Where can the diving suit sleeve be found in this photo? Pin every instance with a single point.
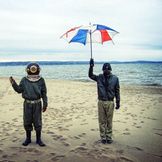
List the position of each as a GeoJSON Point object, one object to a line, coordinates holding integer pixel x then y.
{"type": "Point", "coordinates": [16, 87]}
{"type": "Point", "coordinates": [44, 94]}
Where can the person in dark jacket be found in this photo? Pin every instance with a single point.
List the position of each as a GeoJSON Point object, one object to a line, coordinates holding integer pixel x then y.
{"type": "Point", "coordinates": [33, 89]}
{"type": "Point", "coordinates": [108, 89]}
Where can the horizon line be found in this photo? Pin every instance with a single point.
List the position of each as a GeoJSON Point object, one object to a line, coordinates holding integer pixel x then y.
{"type": "Point", "coordinates": [82, 61]}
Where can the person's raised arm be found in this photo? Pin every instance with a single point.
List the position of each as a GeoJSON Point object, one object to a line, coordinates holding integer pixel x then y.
{"type": "Point", "coordinates": [16, 87]}
{"type": "Point", "coordinates": [90, 73]}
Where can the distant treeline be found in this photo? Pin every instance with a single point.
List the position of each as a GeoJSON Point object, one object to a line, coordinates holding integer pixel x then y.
{"type": "Point", "coordinates": [72, 62]}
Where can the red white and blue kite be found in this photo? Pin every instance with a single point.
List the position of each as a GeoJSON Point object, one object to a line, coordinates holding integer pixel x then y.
{"type": "Point", "coordinates": [90, 34]}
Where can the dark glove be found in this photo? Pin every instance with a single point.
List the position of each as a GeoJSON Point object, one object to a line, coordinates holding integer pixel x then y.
{"type": "Point", "coordinates": [117, 106]}
{"type": "Point", "coordinates": [11, 80]}
{"type": "Point", "coordinates": [44, 109]}
{"type": "Point", "coordinates": [91, 62]}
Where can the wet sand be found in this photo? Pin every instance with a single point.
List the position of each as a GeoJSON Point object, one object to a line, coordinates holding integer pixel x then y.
{"type": "Point", "coordinates": [70, 125]}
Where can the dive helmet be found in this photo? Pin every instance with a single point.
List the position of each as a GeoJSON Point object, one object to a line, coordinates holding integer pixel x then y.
{"type": "Point", "coordinates": [33, 69]}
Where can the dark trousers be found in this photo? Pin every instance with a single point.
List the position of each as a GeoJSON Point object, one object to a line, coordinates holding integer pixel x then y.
{"type": "Point", "coordinates": [32, 116]}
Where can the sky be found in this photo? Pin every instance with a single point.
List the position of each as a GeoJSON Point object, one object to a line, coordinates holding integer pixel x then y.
{"type": "Point", "coordinates": [30, 30]}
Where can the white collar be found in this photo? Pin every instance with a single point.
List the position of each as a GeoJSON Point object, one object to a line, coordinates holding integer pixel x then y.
{"type": "Point", "coordinates": [33, 78]}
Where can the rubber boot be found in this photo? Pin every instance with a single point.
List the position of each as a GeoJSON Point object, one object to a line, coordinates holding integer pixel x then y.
{"type": "Point", "coordinates": [28, 138]}
{"type": "Point", "coordinates": [38, 139]}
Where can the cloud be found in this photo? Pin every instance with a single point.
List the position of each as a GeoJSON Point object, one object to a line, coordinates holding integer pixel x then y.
{"type": "Point", "coordinates": [36, 26]}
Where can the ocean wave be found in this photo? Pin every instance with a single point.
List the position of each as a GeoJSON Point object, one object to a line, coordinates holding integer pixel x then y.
{"type": "Point", "coordinates": [145, 74]}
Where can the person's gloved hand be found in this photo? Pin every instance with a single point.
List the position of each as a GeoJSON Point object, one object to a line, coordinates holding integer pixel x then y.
{"type": "Point", "coordinates": [91, 62]}
{"type": "Point", "coordinates": [117, 106]}
{"type": "Point", "coordinates": [11, 80]}
{"type": "Point", "coordinates": [44, 109]}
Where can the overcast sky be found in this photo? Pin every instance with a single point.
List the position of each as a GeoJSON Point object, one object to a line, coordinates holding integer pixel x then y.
{"type": "Point", "coordinates": [31, 29]}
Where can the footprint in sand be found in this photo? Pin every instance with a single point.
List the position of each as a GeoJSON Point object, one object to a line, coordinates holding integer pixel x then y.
{"type": "Point", "coordinates": [83, 144]}
{"type": "Point", "coordinates": [1, 144]}
{"type": "Point", "coordinates": [126, 129]}
{"type": "Point", "coordinates": [84, 120]}
{"type": "Point", "coordinates": [66, 144]}
{"type": "Point", "coordinates": [79, 149]}
{"type": "Point", "coordinates": [120, 151]}
{"type": "Point", "coordinates": [14, 154]}
{"type": "Point", "coordinates": [35, 151]}
{"type": "Point", "coordinates": [126, 118]}
{"type": "Point", "coordinates": [59, 138]}
{"type": "Point", "coordinates": [49, 132]}
{"type": "Point", "coordinates": [123, 158]}
{"type": "Point", "coordinates": [138, 127]}
{"type": "Point", "coordinates": [157, 129]}
{"type": "Point", "coordinates": [5, 156]}
{"type": "Point", "coordinates": [15, 139]}
{"type": "Point", "coordinates": [134, 124]}
{"type": "Point", "coordinates": [148, 107]}
{"type": "Point", "coordinates": [1, 152]}
{"type": "Point", "coordinates": [27, 150]}
{"type": "Point", "coordinates": [82, 135]}
{"type": "Point", "coordinates": [151, 118]}
{"type": "Point", "coordinates": [83, 123]}
{"type": "Point", "coordinates": [62, 129]}
{"type": "Point", "coordinates": [52, 154]}
{"type": "Point", "coordinates": [126, 133]}
{"type": "Point", "coordinates": [133, 115]}
{"type": "Point", "coordinates": [137, 148]}
{"type": "Point", "coordinates": [57, 158]}
{"type": "Point", "coordinates": [93, 130]}
{"type": "Point", "coordinates": [158, 134]}
{"type": "Point", "coordinates": [69, 125]}
{"type": "Point", "coordinates": [76, 137]}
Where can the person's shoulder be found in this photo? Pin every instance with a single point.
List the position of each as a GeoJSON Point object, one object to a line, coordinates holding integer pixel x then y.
{"type": "Point", "coordinates": [100, 75]}
{"type": "Point", "coordinates": [114, 76]}
{"type": "Point", "coordinates": [42, 79]}
{"type": "Point", "coordinates": [23, 78]}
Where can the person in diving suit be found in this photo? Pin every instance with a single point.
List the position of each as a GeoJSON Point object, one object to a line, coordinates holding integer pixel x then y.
{"type": "Point", "coordinates": [33, 89]}
{"type": "Point", "coordinates": [108, 89]}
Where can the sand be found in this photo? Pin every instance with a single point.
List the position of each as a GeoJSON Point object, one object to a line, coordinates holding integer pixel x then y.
{"type": "Point", "coordinates": [70, 125]}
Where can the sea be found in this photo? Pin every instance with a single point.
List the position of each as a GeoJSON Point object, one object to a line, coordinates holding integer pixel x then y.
{"type": "Point", "coordinates": [130, 73]}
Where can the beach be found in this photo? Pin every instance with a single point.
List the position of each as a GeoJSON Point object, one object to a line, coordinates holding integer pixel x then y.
{"type": "Point", "coordinates": [70, 125]}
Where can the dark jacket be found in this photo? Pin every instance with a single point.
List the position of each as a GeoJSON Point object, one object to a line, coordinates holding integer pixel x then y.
{"type": "Point", "coordinates": [32, 90]}
{"type": "Point", "coordinates": [108, 86]}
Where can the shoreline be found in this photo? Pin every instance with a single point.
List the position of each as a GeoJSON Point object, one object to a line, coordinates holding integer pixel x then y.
{"type": "Point", "coordinates": [70, 125]}
{"type": "Point", "coordinates": [90, 81]}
